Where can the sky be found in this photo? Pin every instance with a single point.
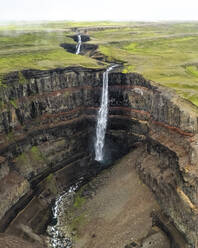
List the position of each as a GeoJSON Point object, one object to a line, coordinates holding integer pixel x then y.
{"type": "Point", "coordinates": [90, 10]}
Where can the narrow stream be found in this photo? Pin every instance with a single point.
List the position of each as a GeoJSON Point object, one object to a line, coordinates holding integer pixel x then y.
{"type": "Point", "coordinates": [56, 238]}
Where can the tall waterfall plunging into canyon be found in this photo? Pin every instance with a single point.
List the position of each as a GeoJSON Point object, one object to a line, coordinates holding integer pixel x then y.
{"type": "Point", "coordinates": [78, 46]}
{"type": "Point", "coordinates": [102, 118]}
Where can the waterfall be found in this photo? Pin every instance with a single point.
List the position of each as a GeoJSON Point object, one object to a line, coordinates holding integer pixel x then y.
{"type": "Point", "coordinates": [79, 44]}
{"type": "Point", "coordinates": [102, 118]}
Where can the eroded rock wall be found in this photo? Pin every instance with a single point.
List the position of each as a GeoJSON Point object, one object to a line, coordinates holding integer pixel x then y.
{"type": "Point", "coordinates": [47, 127]}
{"type": "Point", "coordinates": [168, 164]}
{"type": "Point", "coordinates": [42, 130]}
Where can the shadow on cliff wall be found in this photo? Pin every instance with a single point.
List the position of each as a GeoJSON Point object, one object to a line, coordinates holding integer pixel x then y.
{"type": "Point", "coordinates": [120, 138]}
{"type": "Point", "coordinates": [85, 48]}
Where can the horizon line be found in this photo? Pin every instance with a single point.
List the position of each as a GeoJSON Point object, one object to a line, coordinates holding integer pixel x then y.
{"type": "Point", "coordinates": [90, 21]}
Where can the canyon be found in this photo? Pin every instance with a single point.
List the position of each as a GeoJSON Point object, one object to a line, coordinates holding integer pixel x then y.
{"type": "Point", "coordinates": [47, 135]}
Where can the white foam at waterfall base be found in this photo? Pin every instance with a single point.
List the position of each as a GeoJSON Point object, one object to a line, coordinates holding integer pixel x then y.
{"type": "Point", "coordinates": [78, 46]}
{"type": "Point", "coordinates": [102, 118]}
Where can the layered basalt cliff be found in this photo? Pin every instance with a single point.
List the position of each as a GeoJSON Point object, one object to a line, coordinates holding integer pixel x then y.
{"type": "Point", "coordinates": [43, 129]}
{"type": "Point", "coordinates": [47, 130]}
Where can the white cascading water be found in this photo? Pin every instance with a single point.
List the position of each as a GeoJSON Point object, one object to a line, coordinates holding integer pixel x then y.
{"type": "Point", "coordinates": [102, 118]}
{"type": "Point", "coordinates": [57, 238]}
{"type": "Point", "coordinates": [78, 46]}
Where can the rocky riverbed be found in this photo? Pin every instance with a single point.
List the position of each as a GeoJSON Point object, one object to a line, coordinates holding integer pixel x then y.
{"type": "Point", "coordinates": [114, 210]}
{"type": "Point", "coordinates": [56, 238]}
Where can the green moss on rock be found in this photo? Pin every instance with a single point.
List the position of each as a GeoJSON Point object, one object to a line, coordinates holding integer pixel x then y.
{"type": "Point", "coordinates": [36, 154]}
{"type": "Point", "coordinates": [79, 200]}
{"type": "Point", "coordinates": [14, 103]}
{"type": "Point", "coordinates": [22, 79]}
{"type": "Point", "coordinates": [30, 162]}
{"type": "Point", "coordinates": [192, 70]}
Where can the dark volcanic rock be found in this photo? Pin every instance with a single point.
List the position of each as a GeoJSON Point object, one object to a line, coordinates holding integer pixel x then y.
{"type": "Point", "coordinates": [84, 37]}
{"type": "Point", "coordinates": [85, 48]}
{"type": "Point", "coordinates": [69, 47]}
{"type": "Point", "coordinates": [88, 48]}
{"type": "Point", "coordinates": [47, 131]}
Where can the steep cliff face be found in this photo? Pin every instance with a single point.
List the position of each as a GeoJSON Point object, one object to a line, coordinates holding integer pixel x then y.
{"type": "Point", "coordinates": [47, 130]}
{"type": "Point", "coordinates": [168, 159]}
{"type": "Point", "coordinates": [42, 130]}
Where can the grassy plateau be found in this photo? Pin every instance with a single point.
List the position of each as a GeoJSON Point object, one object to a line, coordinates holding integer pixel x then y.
{"type": "Point", "coordinates": [166, 53]}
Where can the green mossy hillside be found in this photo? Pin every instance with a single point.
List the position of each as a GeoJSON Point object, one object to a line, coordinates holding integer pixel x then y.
{"type": "Point", "coordinates": [38, 48]}
{"type": "Point", "coordinates": [166, 53]}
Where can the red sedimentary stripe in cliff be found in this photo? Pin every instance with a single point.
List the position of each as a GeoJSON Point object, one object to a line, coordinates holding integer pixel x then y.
{"type": "Point", "coordinates": [77, 88]}
{"type": "Point", "coordinates": [82, 115]}
{"type": "Point", "coordinates": [61, 114]}
{"type": "Point", "coordinates": [127, 110]}
{"type": "Point", "coordinates": [172, 128]}
{"type": "Point", "coordinates": [20, 136]}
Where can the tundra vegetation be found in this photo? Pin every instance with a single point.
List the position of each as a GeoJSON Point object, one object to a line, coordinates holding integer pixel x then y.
{"type": "Point", "coordinates": [166, 53]}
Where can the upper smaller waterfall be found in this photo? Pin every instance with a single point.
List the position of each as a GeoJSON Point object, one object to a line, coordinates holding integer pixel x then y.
{"type": "Point", "coordinates": [78, 46]}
